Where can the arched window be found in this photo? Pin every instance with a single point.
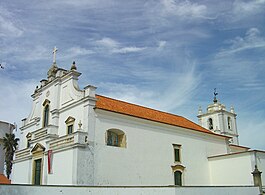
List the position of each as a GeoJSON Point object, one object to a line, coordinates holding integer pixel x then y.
{"type": "Point", "coordinates": [178, 178]}
{"type": "Point", "coordinates": [210, 123]}
{"type": "Point", "coordinates": [115, 137]}
{"type": "Point", "coordinates": [46, 112]}
{"type": "Point", "coordinates": [229, 122]}
{"type": "Point", "coordinates": [46, 115]}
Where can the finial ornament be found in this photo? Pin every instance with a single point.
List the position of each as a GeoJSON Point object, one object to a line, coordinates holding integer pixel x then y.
{"type": "Point", "coordinates": [54, 54]}
{"type": "Point", "coordinates": [79, 125]}
{"type": "Point", "coordinates": [73, 67]}
{"type": "Point", "coordinates": [215, 94]}
{"type": "Point", "coordinates": [200, 110]}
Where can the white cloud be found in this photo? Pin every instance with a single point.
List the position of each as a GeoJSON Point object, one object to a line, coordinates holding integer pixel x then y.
{"type": "Point", "coordinates": [241, 8]}
{"type": "Point", "coordinates": [184, 9]}
{"type": "Point", "coordinates": [251, 40]}
{"type": "Point", "coordinates": [129, 49]}
{"type": "Point", "coordinates": [115, 47]}
{"type": "Point", "coordinates": [128, 92]}
{"type": "Point", "coordinates": [108, 43]}
{"type": "Point", "coordinates": [76, 51]}
{"type": "Point", "coordinates": [161, 44]}
{"type": "Point", "coordinates": [8, 25]}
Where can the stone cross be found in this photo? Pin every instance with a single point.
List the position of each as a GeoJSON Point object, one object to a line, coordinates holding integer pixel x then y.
{"type": "Point", "coordinates": [54, 54]}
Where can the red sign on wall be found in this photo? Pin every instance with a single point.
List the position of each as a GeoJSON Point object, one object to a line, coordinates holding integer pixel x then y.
{"type": "Point", "coordinates": [49, 161]}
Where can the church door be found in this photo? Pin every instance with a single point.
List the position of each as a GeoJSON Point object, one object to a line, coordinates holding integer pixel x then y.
{"type": "Point", "coordinates": [37, 172]}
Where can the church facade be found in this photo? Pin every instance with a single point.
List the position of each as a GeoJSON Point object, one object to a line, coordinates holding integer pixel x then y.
{"type": "Point", "coordinates": [77, 137]}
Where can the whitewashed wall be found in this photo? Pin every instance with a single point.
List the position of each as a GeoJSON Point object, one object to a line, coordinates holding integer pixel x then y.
{"type": "Point", "coordinates": [62, 166]}
{"type": "Point", "coordinates": [149, 155]}
{"type": "Point", "coordinates": [232, 169]}
{"type": "Point", "coordinates": [70, 190]}
{"type": "Point", "coordinates": [23, 172]}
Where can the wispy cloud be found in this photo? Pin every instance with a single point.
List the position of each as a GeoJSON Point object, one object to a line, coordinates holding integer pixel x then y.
{"type": "Point", "coordinates": [15, 93]}
{"type": "Point", "coordinates": [241, 8]}
{"type": "Point", "coordinates": [239, 64]}
{"type": "Point", "coordinates": [113, 46]}
{"type": "Point", "coordinates": [251, 40]}
{"type": "Point", "coordinates": [184, 9]}
{"type": "Point", "coordinates": [161, 44]}
{"type": "Point", "coordinates": [75, 52]}
{"type": "Point", "coordinates": [171, 93]}
{"type": "Point", "coordinates": [8, 24]}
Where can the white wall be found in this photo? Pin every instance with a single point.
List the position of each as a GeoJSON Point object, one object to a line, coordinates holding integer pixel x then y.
{"type": "Point", "coordinates": [70, 190]}
{"type": "Point", "coordinates": [62, 166]}
{"type": "Point", "coordinates": [231, 170]}
{"type": "Point", "coordinates": [148, 158]}
{"type": "Point", "coordinates": [23, 172]}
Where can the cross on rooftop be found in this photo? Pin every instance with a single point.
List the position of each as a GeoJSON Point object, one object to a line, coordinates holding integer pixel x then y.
{"type": "Point", "coordinates": [54, 54]}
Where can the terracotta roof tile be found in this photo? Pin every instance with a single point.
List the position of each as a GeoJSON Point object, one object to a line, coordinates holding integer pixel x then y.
{"type": "Point", "coordinates": [126, 108]}
{"type": "Point", "coordinates": [4, 180]}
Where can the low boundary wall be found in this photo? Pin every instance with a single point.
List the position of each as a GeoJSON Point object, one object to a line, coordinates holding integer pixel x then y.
{"type": "Point", "coordinates": [17, 189]}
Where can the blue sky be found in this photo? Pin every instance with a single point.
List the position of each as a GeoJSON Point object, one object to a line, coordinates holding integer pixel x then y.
{"type": "Point", "coordinates": [164, 54]}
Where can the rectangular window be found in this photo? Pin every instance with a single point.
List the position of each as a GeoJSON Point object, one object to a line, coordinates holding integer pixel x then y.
{"type": "Point", "coordinates": [70, 129]}
{"type": "Point", "coordinates": [176, 152]}
{"type": "Point", "coordinates": [37, 172]}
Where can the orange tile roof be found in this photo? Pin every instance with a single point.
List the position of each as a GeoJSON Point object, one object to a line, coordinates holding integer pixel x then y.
{"type": "Point", "coordinates": [126, 108]}
{"type": "Point", "coordinates": [4, 180]}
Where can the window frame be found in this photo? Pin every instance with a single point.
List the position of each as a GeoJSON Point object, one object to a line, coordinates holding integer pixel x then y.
{"type": "Point", "coordinates": [177, 153]}
{"type": "Point", "coordinates": [210, 123]}
{"type": "Point", "coordinates": [180, 177]}
{"type": "Point", "coordinates": [70, 129]}
{"type": "Point", "coordinates": [70, 124]}
{"type": "Point", "coordinates": [229, 123]}
{"type": "Point", "coordinates": [115, 138]}
{"type": "Point", "coordinates": [46, 115]}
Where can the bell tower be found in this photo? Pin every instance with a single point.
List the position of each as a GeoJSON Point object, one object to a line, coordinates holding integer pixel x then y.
{"type": "Point", "coordinates": [219, 120]}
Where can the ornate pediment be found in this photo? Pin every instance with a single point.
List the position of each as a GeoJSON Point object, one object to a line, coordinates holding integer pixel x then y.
{"type": "Point", "coordinates": [46, 102]}
{"type": "Point", "coordinates": [70, 120]}
{"type": "Point", "coordinates": [38, 148]}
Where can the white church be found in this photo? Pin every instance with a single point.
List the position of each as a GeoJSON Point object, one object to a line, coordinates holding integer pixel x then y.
{"type": "Point", "coordinates": [75, 136]}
